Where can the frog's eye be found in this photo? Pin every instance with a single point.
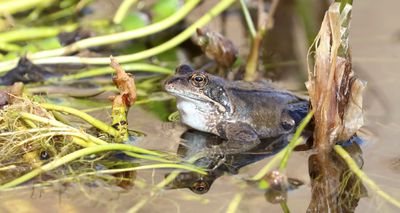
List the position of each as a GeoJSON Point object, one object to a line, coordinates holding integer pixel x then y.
{"type": "Point", "coordinates": [200, 187]}
{"type": "Point", "coordinates": [199, 80]}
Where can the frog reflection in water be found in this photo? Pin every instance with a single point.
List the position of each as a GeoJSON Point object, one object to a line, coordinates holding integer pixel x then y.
{"type": "Point", "coordinates": [193, 142]}
{"type": "Point", "coordinates": [240, 112]}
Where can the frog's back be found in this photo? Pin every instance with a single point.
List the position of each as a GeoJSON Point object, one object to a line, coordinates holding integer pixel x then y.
{"type": "Point", "coordinates": [263, 105]}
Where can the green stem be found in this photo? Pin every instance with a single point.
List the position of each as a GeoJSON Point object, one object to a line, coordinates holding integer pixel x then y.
{"type": "Point", "coordinates": [7, 47]}
{"type": "Point", "coordinates": [73, 156]}
{"type": "Point", "coordinates": [123, 9]}
{"type": "Point", "coordinates": [360, 174]}
{"type": "Point", "coordinates": [34, 33]}
{"type": "Point", "coordinates": [15, 6]}
{"type": "Point", "coordinates": [153, 166]}
{"type": "Point", "coordinates": [268, 167]}
{"type": "Point", "coordinates": [234, 204]}
{"type": "Point", "coordinates": [271, 163]}
{"type": "Point", "coordinates": [284, 207]}
{"type": "Point", "coordinates": [247, 17]}
{"type": "Point", "coordinates": [296, 139]}
{"type": "Point", "coordinates": [91, 120]}
{"type": "Point", "coordinates": [148, 157]}
{"type": "Point", "coordinates": [252, 59]}
{"type": "Point", "coordinates": [43, 120]}
{"type": "Point", "coordinates": [137, 67]}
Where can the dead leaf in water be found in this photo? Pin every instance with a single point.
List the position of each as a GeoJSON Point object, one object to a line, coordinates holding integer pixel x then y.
{"type": "Point", "coordinates": [335, 91]}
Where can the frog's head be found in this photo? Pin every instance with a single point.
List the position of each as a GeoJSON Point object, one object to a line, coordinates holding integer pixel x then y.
{"type": "Point", "coordinates": [199, 87]}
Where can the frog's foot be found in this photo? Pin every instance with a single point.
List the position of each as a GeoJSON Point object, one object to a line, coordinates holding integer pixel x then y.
{"type": "Point", "coordinates": [241, 137]}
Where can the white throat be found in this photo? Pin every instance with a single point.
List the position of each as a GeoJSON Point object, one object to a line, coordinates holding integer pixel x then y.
{"type": "Point", "coordinates": [196, 114]}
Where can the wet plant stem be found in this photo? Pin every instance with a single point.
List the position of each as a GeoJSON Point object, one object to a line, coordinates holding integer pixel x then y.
{"type": "Point", "coordinates": [136, 67]}
{"type": "Point", "coordinates": [123, 9]}
{"type": "Point", "coordinates": [269, 166]}
{"type": "Point", "coordinates": [91, 120]}
{"type": "Point", "coordinates": [247, 17]}
{"type": "Point", "coordinates": [296, 139]}
{"type": "Point", "coordinates": [34, 33]}
{"type": "Point", "coordinates": [234, 204]}
{"type": "Point", "coordinates": [252, 59]}
{"type": "Point", "coordinates": [265, 23]}
{"type": "Point", "coordinates": [363, 177]}
{"type": "Point", "coordinates": [15, 6]}
{"type": "Point", "coordinates": [152, 166]}
{"type": "Point", "coordinates": [8, 47]}
{"type": "Point", "coordinates": [73, 156]}
{"type": "Point", "coordinates": [79, 138]}
{"type": "Point", "coordinates": [284, 207]}
{"type": "Point", "coordinates": [183, 36]}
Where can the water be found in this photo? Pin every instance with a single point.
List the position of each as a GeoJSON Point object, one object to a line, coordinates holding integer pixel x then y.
{"type": "Point", "coordinates": [375, 42]}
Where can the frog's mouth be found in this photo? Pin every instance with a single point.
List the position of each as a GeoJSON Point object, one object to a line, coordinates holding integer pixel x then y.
{"type": "Point", "coordinates": [200, 98]}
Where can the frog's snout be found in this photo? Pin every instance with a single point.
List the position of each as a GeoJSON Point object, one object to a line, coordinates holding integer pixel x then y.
{"type": "Point", "coordinates": [168, 86]}
{"type": "Point", "coordinates": [171, 83]}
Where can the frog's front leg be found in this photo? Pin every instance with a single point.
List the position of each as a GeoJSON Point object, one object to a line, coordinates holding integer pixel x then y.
{"type": "Point", "coordinates": [240, 137]}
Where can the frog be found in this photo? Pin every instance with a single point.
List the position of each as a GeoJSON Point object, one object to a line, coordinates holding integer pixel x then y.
{"type": "Point", "coordinates": [240, 112]}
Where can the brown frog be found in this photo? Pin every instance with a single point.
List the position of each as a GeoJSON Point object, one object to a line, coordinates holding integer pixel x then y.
{"type": "Point", "coordinates": [241, 112]}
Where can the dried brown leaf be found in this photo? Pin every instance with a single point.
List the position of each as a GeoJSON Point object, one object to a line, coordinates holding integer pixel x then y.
{"type": "Point", "coordinates": [335, 91]}
{"type": "Point", "coordinates": [217, 47]}
{"type": "Point", "coordinates": [125, 84]}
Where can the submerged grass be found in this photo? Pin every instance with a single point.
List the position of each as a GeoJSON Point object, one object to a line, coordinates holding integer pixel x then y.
{"type": "Point", "coordinates": [364, 177]}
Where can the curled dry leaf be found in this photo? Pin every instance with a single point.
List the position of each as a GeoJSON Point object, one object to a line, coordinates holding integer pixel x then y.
{"type": "Point", "coordinates": [217, 47]}
{"type": "Point", "coordinates": [125, 84]}
{"type": "Point", "coordinates": [335, 91]}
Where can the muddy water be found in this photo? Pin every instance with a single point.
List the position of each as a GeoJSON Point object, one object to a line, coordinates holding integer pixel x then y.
{"type": "Point", "coordinates": [375, 38]}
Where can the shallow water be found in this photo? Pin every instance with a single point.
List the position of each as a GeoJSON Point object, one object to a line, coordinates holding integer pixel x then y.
{"type": "Point", "coordinates": [375, 38]}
